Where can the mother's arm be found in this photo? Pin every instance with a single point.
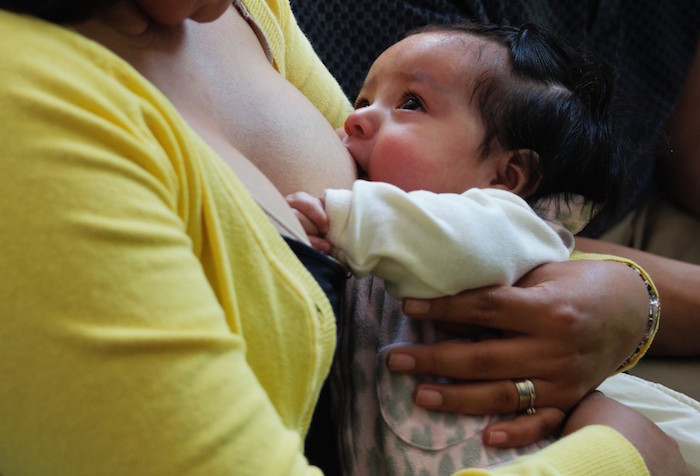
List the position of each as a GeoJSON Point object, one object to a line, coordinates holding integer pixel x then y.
{"type": "Point", "coordinates": [566, 326]}
{"type": "Point", "coordinates": [678, 284]}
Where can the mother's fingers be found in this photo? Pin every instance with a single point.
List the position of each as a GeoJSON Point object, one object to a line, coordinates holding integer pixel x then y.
{"type": "Point", "coordinates": [506, 308]}
{"type": "Point", "coordinates": [476, 398]}
{"type": "Point", "coordinates": [498, 398]}
{"type": "Point", "coordinates": [491, 359]}
{"type": "Point", "coordinates": [493, 397]}
{"type": "Point", "coordinates": [524, 429]}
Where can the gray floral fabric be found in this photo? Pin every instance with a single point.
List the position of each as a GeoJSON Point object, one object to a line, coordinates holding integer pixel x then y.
{"type": "Point", "coordinates": [382, 432]}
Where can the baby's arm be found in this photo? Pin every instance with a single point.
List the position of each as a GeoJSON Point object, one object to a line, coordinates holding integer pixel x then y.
{"type": "Point", "coordinates": [426, 244]}
{"type": "Point", "coordinates": [310, 212]}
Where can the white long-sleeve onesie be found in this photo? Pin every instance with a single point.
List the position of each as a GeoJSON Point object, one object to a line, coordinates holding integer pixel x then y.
{"type": "Point", "coordinates": [426, 244]}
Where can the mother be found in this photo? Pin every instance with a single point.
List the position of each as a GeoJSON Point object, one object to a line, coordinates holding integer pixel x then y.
{"type": "Point", "coordinates": [153, 320]}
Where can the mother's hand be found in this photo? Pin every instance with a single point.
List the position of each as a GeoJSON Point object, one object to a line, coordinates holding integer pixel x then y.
{"type": "Point", "coordinates": [565, 326]}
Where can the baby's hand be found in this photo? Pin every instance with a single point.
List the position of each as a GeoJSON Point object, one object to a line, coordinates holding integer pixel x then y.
{"type": "Point", "coordinates": [313, 218]}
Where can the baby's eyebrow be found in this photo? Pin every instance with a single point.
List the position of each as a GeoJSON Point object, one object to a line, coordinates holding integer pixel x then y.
{"type": "Point", "coordinates": [424, 78]}
{"type": "Point", "coordinates": [421, 77]}
{"type": "Point", "coordinates": [368, 82]}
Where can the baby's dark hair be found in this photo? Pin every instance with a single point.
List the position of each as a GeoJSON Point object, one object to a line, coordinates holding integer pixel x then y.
{"type": "Point", "coordinates": [556, 103]}
{"type": "Point", "coordinates": [58, 11]}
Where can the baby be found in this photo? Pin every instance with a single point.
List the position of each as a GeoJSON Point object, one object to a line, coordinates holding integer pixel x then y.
{"type": "Point", "coordinates": [455, 142]}
{"type": "Point", "coordinates": [482, 150]}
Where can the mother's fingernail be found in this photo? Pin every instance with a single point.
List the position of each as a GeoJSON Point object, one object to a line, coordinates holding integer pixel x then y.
{"type": "Point", "coordinates": [429, 398]}
{"type": "Point", "coordinates": [401, 362]}
{"type": "Point", "coordinates": [415, 306]}
{"type": "Point", "coordinates": [496, 437]}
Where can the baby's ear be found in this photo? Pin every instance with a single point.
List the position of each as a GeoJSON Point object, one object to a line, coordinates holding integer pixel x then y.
{"type": "Point", "coordinates": [514, 172]}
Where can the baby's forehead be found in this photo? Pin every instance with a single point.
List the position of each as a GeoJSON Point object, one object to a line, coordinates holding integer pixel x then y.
{"type": "Point", "coordinates": [440, 59]}
{"type": "Point", "coordinates": [464, 51]}
{"type": "Point", "coordinates": [472, 48]}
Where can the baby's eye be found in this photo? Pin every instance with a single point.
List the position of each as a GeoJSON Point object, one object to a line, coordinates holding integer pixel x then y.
{"type": "Point", "coordinates": [361, 102]}
{"type": "Point", "coordinates": [411, 103]}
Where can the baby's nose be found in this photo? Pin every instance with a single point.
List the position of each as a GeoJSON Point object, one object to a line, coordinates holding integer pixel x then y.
{"type": "Point", "coordinates": [361, 123]}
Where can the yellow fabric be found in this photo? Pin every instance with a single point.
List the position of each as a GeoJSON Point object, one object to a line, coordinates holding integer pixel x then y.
{"type": "Point", "coordinates": [594, 450]}
{"type": "Point", "coordinates": [152, 321]}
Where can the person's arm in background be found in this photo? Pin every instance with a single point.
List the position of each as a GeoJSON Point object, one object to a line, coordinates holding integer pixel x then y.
{"type": "Point", "coordinates": [678, 282]}
{"type": "Point", "coordinates": [679, 166]}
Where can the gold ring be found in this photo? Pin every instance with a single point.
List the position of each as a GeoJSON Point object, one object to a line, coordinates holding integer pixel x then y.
{"type": "Point", "coordinates": [526, 395]}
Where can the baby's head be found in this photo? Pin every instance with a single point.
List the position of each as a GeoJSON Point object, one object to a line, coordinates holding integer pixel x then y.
{"type": "Point", "coordinates": [451, 107]}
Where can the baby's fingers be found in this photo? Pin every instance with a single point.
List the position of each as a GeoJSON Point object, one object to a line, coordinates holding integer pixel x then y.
{"type": "Point", "coordinates": [310, 212]}
{"type": "Point", "coordinates": [321, 244]}
{"type": "Point", "coordinates": [309, 226]}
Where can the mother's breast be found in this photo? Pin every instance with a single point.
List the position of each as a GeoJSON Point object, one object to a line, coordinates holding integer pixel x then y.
{"type": "Point", "coordinates": [220, 78]}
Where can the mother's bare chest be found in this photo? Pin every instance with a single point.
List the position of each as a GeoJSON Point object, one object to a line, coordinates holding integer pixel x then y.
{"type": "Point", "coordinates": [220, 79]}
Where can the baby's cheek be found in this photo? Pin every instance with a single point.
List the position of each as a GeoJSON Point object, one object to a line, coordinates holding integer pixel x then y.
{"type": "Point", "coordinates": [399, 161]}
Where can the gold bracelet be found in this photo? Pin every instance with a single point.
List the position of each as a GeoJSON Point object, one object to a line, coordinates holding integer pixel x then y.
{"type": "Point", "coordinates": [652, 320]}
